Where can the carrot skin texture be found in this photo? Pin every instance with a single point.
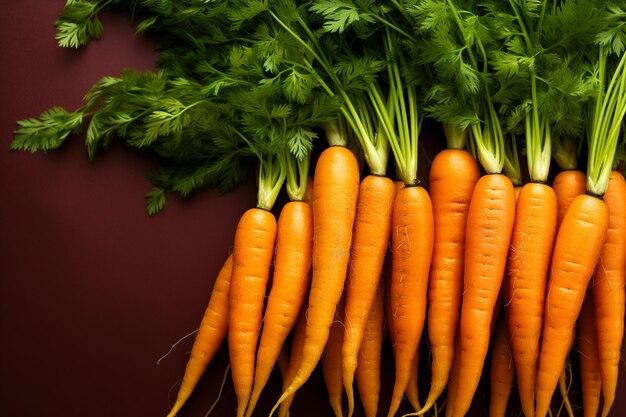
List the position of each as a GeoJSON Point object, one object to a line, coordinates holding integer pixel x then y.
{"type": "Point", "coordinates": [502, 372]}
{"type": "Point", "coordinates": [608, 290]}
{"type": "Point", "coordinates": [368, 366]}
{"type": "Point", "coordinates": [488, 235]}
{"type": "Point", "coordinates": [372, 230]}
{"type": "Point", "coordinates": [295, 358]}
{"type": "Point", "coordinates": [211, 334]}
{"type": "Point", "coordinates": [576, 252]}
{"type": "Point", "coordinates": [455, 371]}
{"type": "Point", "coordinates": [453, 176]}
{"type": "Point", "coordinates": [332, 362]}
{"type": "Point", "coordinates": [412, 246]}
{"type": "Point", "coordinates": [252, 256]}
{"type": "Point", "coordinates": [294, 244]}
{"type": "Point", "coordinates": [589, 360]}
{"type": "Point", "coordinates": [335, 191]}
{"type": "Point", "coordinates": [529, 261]}
{"type": "Point", "coordinates": [567, 185]}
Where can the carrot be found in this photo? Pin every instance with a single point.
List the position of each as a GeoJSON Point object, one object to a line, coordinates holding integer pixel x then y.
{"type": "Point", "coordinates": [335, 190]}
{"type": "Point", "coordinates": [211, 333]}
{"type": "Point", "coordinates": [289, 284]}
{"type": "Point", "coordinates": [412, 245]}
{"type": "Point", "coordinates": [489, 228]}
{"type": "Point", "coordinates": [295, 358]}
{"type": "Point", "coordinates": [529, 259]}
{"type": "Point", "coordinates": [368, 366]}
{"type": "Point", "coordinates": [332, 359]}
{"type": "Point", "coordinates": [283, 361]}
{"type": "Point", "coordinates": [455, 370]}
{"type": "Point", "coordinates": [372, 229]}
{"type": "Point", "coordinates": [564, 389]}
{"type": "Point", "coordinates": [608, 289]}
{"type": "Point", "coordinates": [453, 175]}
{"type": "Point", "coordinates": [412, 391]}
{"type": "Point", "coordinates": [584, 226]}
{"type": "Point", "coordinates": [589, 360]}
{"type": "Point", "coordinates": [502, 372]}
{"type": "Point", "coordinates": [567, 185]}
{"type": "Point", "coordinates": [252, 256]}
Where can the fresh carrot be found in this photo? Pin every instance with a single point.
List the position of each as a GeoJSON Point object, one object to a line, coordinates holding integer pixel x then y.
{"type": "Point", "coordinates": [412, 390]}
{"type": "Point", "coordinates": [529, 260]}
{"type": "Point", "coordinates": [608, 290]}
{"type": "Point", "coordinates": [290, 281]}
{"type": "Point", "coordinates": [295, 358]}
{"type": "Point", "coordinates": [332, 359]}
{"type": "Point", "coordinates": [372, 229]}
{"type": "Point", "coordinates": [453, 176]}
{"type": "Point", "coordinates": [335, 190]}
{"type": "Point", "coordinates": [252, 256]}
{"type": "Point", "coordinates": [502, 371]}
{"type": "Point", "coordinates": [589, 360]}
{"type": "Point", "coordinates": [412, 245]}
{"type": "Point", "coordinates": [489, 228]}
{"type": "Point", "coordinates": [211, 334]}
{"type": "Point", "coordinates": [368, 367]}
{"type": "Point", "coordinates": [455, 371]}
{"type": "Point", "coordinates": [584, 226]}
{"type": "Point", "coordinates": [567, 185]}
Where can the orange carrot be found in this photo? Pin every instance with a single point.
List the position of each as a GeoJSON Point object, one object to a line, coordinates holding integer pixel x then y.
{"type": "Point", "coordinates": [453, 175]}
{"type": "Point", "coordinates": [608, 289]}
{"type": "Point", "coordinates": [211, 333]}
{"type": "Point", "coordinates": [335, 190]}
{"type": "Point", "coordinates": [489, 227]}
{"type": "Point", "coordinates": [295, 358]}
{"type": "Point", "coordinates": [502, 371]}
{"type": "Point", "coordinates": [332, 361]}
{"type": "Point", "coordinates": [412, 391]}
{"type": "Point", "coordinates": [290, 281]}
{"type": "Point", "coordinates": [584, 226]}
{"type": "Point", "coordinates": [252, 256]}
{"type": "Point", "coordinates": [529, 259]}
{"type": "Point", "coordinates": [368, 366]}
{"type": "Point", "coordinates": [372, 229]}
{"type": "Point", "coordinates": [589, 360]}
{"type": "Point", "coordinates": [455, 371]}
{"type": "Point", "coordinates": [412, 246]}
{"type": "Point", "coordinates": [567, 185]}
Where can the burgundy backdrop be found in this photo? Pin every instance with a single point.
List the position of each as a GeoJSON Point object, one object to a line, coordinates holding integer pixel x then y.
{"type": "Point", "coordinates": [92, 291]}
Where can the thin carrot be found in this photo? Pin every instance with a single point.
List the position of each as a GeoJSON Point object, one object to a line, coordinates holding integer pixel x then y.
{"type": "Point", "coordinates": [335, 190]}
{"type": "Point", "coordinates": [567, 185]}
{"type": "Point", "coordinates": [565, 384]}
{"type": "Point", "coordinates": [455, 371]}
{"type": "Point", "coordinates": [290, 281]}
{"type": "Point", "coordinates": [295, 358]}
{"type": "Point", "coordinates": [589, 360]}
{"type": "Point", "coordinates": [332, 359]}
{"type": "Point", "coordinates": [412, 245]}
{"type": "Point", "coordinates": [608, 290]}
{"type": "Point", "coordinates": [584, 226]}
{"type": "Point", "coordinates": [502, 371]}
{"type": "Point", "coordinates": [412, 390]}
{"type": "Point", "coordinates": [368, 367]}
{"type": "Point", "coordinates": [372, 229]}
{"type": "Point", "coordinates": [489, 228]}
{"type": "Point", "coordinates": [211, 334]}
{"type": "Point", "coordinates": [529, 260]}
{"type": "Point", "coordinates": [453, 176]}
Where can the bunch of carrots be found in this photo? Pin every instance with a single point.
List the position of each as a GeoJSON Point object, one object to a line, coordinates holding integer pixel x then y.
{"type": "Point", "coordinates": [482, 257]}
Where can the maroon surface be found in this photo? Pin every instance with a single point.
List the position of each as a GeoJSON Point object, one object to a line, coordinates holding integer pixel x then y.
{"type": "Point", "coordinates": [92, 291]}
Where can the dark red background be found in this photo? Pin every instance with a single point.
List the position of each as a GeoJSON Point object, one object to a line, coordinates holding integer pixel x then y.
{"type": "Point", "coordinates": [93, 291]}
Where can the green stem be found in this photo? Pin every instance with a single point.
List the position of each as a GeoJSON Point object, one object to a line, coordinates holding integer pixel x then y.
{"type": "Point", "coordinates": [272, 175]}
{"type": "Point", "coordinates": [296, 176]}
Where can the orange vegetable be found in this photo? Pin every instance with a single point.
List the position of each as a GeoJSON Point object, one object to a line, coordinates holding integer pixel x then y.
{"type": "Point", "coordinates": [589, 360]}
{"type": "Point", "coordinates": [502, 371]}
{"type": "Point", "coordinates": [332, 362]}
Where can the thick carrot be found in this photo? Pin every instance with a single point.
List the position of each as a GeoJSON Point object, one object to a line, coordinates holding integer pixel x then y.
{"type": "Point", "coordinates": [576, 252]}
{"type": "Point", "coordinates": [368, 367]}
{"type": "Point", "coordinates": [412, 246]}
{"type": "Point", "coordinates": [372, 229]}
{"type": "Point", "coordinates": [295, 358]}
{"type": "Point", "coordinates": [502, 371]}
{"type": "Point", "coordinates": [211, 334]}
{"type": "Point", "coordinates": [453, 176]}
{"type": "Point", "coordinates": [488, 234]}
{"type": "Point", "coordinates": [608, 289]}
{"type": "Point", "coordinates": [529, 260]}
{"type": "Point", "coordinates": [252, 256]}
{"type": "Point", "coordinates": [589, 360]}
{"type": "Point", "coordinates": [335, 191]}
{"type": "Point", "coordinates": [567, 185]}
{"type": "Point", "coordinates": [290, 281]}
{"type": "Point", "coordinates": [332, 359]}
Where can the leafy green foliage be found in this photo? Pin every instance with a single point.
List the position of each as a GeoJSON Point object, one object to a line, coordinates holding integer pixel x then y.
{"type": "Point", "coordinates": [48, 132]}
